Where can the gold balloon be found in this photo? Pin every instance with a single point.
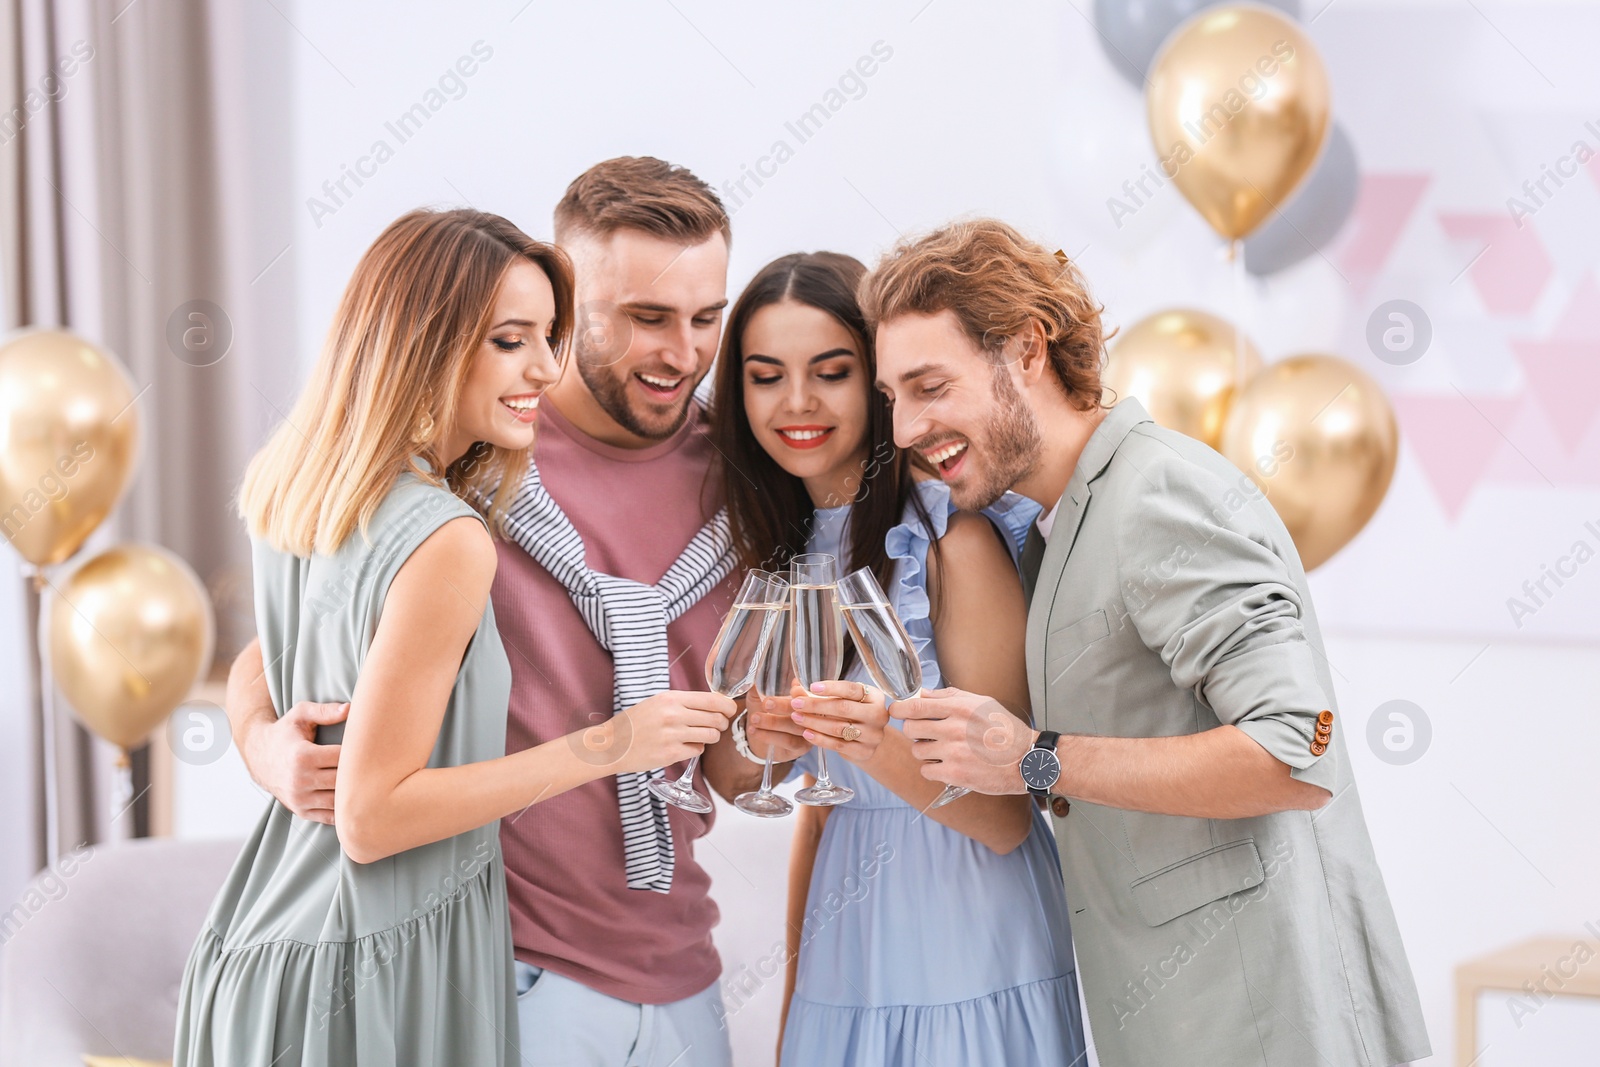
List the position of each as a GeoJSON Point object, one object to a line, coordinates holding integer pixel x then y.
{"type": "Point", "coordinates": [1184, 367]}
{"type": "Point", "coordinates": [130, 633]}
{"type": "Point", "coordinates": [69, 434]}
{"type": "Point", "coordinates": [1319, 437]}
{"type": "Point", "coordinates": [1238, 105]}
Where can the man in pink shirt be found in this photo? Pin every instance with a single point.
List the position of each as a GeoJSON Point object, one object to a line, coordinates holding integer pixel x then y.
{"type": "Point", "coordinates": [623, 450]}
{"type": "Point", "coordinates": [609, 972]}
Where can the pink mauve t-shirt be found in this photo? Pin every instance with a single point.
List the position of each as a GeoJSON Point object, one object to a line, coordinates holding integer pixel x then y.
{"type": "Point", "coordinates": [571, 909]}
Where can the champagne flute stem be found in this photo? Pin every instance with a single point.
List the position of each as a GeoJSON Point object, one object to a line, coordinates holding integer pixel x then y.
{"type": "Point", "coordinates": [686, 780]}
{"type": "Point", "coordinates": [766, 772]}
{"type": "Point", "coordinates": [823, 781]}
{"type": "Point", "coordinates": [951, 792]}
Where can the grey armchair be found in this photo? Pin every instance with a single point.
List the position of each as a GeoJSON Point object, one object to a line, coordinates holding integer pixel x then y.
{"type": "Point", "coordinates": [94, 950]}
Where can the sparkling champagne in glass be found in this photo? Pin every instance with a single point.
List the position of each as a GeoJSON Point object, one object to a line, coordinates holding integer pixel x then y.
{"type": "Point", "coordinates": [731, 667]}
{"type": "Point", "coordinates": [882, 641]}
{"type": "Point", "coordinates": [884, 645]}
{"type": "Point", "coordinates": [818, 652]}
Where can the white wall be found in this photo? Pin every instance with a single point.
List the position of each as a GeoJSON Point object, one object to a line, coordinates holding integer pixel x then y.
{"type": "Point", "coordinates": [1486, 840]}
{"type": "Point", "coordinates": [1011, 110]}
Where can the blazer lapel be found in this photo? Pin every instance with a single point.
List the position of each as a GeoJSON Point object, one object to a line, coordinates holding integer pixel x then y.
{"type": "Point", "coordinates": [1058, 547]}
{"type": "Point", "coordinates": [1028, 564]}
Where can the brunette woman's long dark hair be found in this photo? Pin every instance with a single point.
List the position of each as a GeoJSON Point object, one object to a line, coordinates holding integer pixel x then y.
{"type": "Point", "coordinates": [769, 511]}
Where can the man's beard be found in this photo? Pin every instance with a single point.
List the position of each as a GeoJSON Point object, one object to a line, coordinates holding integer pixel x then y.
{"type": "Point", "coordinates": [1011, 444]}
{"type": "Point", "coordinates": [610, 391]}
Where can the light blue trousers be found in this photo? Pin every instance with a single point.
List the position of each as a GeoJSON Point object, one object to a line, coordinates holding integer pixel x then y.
{"type": "Point", "coordinates": [566, 1024]}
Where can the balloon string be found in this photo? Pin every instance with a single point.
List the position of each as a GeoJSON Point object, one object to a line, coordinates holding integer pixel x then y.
{"type": "Point", "coordinates": [47, 719]}
{"type": "Point", "coordinates": [123, 791]}
{"type": "Point", "coordinates": [1240, 368]}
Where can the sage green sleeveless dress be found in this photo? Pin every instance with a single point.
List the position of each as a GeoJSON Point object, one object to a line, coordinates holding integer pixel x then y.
{"type": "Point", "coordinates": [308, 957]}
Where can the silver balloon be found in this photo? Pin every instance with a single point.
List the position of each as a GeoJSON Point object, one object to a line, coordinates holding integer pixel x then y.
{"type": "Point", "coordinates": [1313, 216]}
{"type": "Point", "coordinates": [1131, 31]}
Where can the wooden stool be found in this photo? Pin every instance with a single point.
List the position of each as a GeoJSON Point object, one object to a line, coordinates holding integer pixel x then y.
{"type": "Point", "coordinates": [1550, 964]}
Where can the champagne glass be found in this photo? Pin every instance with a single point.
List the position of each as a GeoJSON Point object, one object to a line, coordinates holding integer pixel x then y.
{"type": "Point", "coordinates": [885, 647]}
{"type": "Point", "coordinates": [731, 666]}
{"type": "Point", "coordinates": [772, 680]}
{"type": "Point", "coordinates": [818, 643]}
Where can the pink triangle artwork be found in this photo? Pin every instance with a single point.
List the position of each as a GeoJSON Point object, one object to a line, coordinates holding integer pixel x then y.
{"type": "Point", "coordinates": [1384, 205]}
{"type": "Point", "coordinates": [1563, 369]}
{"type": "Point", "coordinates": [1511, 266]}
{"type": "Point", "coordinates": [1455, 438]}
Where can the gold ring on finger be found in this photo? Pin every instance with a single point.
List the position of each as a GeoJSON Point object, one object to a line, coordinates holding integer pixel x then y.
{"type": "Point", "coordinates": [851, 732]}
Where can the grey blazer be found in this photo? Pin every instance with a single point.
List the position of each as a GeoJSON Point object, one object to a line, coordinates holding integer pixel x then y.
{"type": "Point", "coordinates": [1169, 600]}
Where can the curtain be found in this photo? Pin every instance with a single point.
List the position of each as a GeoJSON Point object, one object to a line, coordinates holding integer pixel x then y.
{"type": "Point", "coordinates": [139, 187]}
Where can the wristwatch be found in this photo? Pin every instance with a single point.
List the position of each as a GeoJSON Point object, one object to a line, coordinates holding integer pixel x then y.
{"type": "Point", "coordinates": [1040, 765]}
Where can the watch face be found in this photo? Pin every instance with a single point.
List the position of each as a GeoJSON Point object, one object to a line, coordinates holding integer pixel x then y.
{"type": "Point", "coordinates": [1040, 768]}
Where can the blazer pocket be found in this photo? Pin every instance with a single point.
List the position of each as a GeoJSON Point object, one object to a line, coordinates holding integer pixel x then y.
{"type": "Point", "coordinates": [1195, 882]}
{"type": "Point", "coordinates": [1064, 643]}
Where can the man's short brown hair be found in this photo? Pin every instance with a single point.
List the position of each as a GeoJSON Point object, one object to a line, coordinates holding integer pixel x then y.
{"type": "Point", "coordinates": [641, 193]}
{"type": "Point", "coordinates": [996, 282]}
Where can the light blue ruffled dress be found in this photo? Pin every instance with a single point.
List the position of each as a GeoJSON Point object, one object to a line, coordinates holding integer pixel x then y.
{"type": "Point", "coordinates": [920, 945]}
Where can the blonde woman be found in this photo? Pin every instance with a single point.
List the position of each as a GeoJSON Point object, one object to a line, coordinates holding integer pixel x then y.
{"type": "Point", "coordinates": [383, 937]}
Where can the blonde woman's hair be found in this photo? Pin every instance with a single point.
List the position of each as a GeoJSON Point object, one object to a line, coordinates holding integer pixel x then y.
{"type": "Point", "coordinates": [389, 380]}
{"type": "Point", "coordinates": [995, 281]}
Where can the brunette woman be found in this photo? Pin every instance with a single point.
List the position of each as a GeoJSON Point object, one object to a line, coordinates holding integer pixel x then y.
{"type": "Point", "coordinates": [890, 969]}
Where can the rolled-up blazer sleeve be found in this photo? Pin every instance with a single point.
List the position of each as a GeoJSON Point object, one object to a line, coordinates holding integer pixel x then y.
{"type": "Point", "coordinates": [1209, 595]}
